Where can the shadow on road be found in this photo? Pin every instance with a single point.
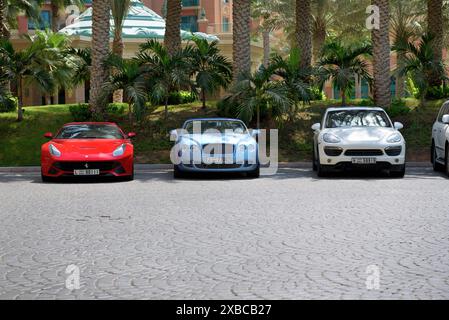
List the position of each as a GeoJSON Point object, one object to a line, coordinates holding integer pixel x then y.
{"type": "Point", "coordinates": [282, 174]}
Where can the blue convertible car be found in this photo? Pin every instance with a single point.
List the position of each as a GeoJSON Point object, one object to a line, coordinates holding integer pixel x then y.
{"type": "Point", "coordinates": [215, 145]}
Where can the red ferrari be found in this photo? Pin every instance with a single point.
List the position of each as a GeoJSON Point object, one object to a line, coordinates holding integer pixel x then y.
{"type": "Point", "coordinates": [88, 149]}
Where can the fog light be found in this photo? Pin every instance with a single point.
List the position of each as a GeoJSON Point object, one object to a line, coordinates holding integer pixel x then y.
{"type": "Point", "coordinates": [397, 160]}
{"type": "Point", "coordinates": [329, 160]}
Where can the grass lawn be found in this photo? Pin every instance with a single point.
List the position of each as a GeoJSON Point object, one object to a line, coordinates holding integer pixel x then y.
{"type": "Point", "coordinates": [20, 142]}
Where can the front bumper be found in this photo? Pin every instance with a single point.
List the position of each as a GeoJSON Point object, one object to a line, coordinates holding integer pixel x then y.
{"type": "Point", "coordinates": [338, 156]}
{"type": "Point", "coordinates": [120, 167]}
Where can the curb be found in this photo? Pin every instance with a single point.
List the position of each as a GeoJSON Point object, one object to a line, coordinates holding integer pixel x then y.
{"type": "Point", "coordinates": [148, 167]}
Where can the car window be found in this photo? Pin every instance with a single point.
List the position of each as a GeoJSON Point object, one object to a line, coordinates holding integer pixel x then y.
{"type": "Point", "coordinates": [444, 110]}
{"type": "Point", "coordinates": [90, 131]}
{"type": "Point", "coordinates": [221, 125]}
{"type": "Point", "coordinates": [357, 118]}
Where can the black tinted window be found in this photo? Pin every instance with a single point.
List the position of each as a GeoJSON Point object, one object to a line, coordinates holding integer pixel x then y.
{"type": "Point", "coordinates": [90, 131]}
{"type": "Point", "coordinates": [357, 118]}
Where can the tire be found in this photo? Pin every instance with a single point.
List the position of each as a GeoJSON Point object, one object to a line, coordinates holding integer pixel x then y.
{"type": "Point", "coordinates": [433, 156]}
{"type": "Point", "coordinates": [446, 162]}
{"type": "Point", "coordinates": [399, 173]}
{"type": "Point", "coordinates": [314, 162]}
{"type": "Point", "coordinates": [177, 174]}
{"type": "Point", "coordinates": [321, 171]}
{"type": "Point", "coordinates": [254, 174]}
{"type": "Point", "coordinates": [46, 179]}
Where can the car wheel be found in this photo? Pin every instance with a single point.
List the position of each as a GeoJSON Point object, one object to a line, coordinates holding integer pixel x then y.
{"type": "Point", "coordinates": [398, 173]}
{"type": "Point", "coordinates": [446, 162]}
{"type": "Point", "coordinates": [177, 174]}
{"type": "Point", "coordinates": [321, 171]}
{"type": "Point", "coordinates": [314, 162]}
{"type": "Point", "coordinates": [436, 166]}
{"type": "Point", "coordinates": [46, 179]}
{"type": "Point", "coordinates": [255, 173]}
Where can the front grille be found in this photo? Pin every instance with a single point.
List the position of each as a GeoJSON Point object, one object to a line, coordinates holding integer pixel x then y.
{"type": "Point", "coordinates": [218, 166]}
{"type": "Point", "coordinates": [364, 153]}
{"type": "Point", "coordinates": [333, 151]}
{"type": "Point", "coordinates": [218, 148]}
{"type": "Point", "coordinates": [70, 166]}
{"type": "Point", "coordinates": [393, 151]}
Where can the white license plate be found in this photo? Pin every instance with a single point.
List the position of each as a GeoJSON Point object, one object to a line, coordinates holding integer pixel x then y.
{"type": "Point", "coordinates": [364, 160]}
{"type": "Point", "coordinates": [214, 160]}
{"type": "Point", "coordinates": [87, 172]}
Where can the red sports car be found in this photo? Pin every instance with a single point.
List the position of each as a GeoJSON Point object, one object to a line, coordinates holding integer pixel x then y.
{"type": "Point", "coordinates": [88, 149]}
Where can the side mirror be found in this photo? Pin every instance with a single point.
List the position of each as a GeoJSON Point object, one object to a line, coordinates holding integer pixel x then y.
{"type": "Point", "coordinates": [131, 135]}
{"type": "Point", "coordinates": [446, 119]}
{"type": "Point", "coordinates": [316, 127]}
{"type": "Point", "coordinates": [48, 135]}
{"type": "Point", "coordinates": [255, 132]}
{"type": "Point", "coordinates": [174, 135]}
{"type": "Point", "coordinates": [398, 126]}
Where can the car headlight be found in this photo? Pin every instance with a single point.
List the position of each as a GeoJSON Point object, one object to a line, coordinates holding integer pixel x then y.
{"type": "Point", "coordinates": [394, 138]}
{"type": "Point", "coordinates": [331, 138]}
{"type": "Point", "coordinates": [54, 151]}
{"type": "Point", "coordinates": [119, 151]}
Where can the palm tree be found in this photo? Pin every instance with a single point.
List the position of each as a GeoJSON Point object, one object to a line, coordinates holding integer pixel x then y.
{"type": "Point", "coordinates": [100, 52]}
{"type": "Point", "coordinates": [255, 92]}
{"type": "Point", "coordinates": [212, 70]}
{"type": "Point", "coordinates": [435, 29]}
{"type": "Point", "coordinates": [44, 63]}
{"type": "Point", "coordinates": [166, 73]}
{"type": "Point", "coordinates": [342, 63]}
{"type": "Point", "coordinates": [120, 9]}
{"type": "Point", "coordinates": [404, 28]}
{"type": "Point", "coordinates": [128, 76]}
{"type": "Point", "coordinates": [381, 56]}
{"type": "Point", "coordinates": [241, 35]}
{"type": "Point", "coordinates": [304, 32]}
{"type": "Point", "coordinates": [83, 65]}
{"type": "Point", "coordinates": [420, 65]}
{"type": "Point", "coordinates": [172, 39]}
{"type": "Point", "coordinates": [295, 78]}
{"type": "Point", "coordinates": [10, 9]}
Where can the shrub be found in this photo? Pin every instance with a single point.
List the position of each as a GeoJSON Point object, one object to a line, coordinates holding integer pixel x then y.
{"type": "Point", "coordinates": [8, 104]}
{"type": "Point", "coordinates": [398, 108]}
{"type": "Point", "coordinates": [316, 94]}
{"type": "Point", "coordinates": [436, 93]}
{"type": "Point", "coordinates": [179, 97]}
{"type": "Point", "coordinates": [117, 109]}
{"type": "Point", "coordinates": [364, 103]}
{"type": "Point", "coordinates": [80, 112]}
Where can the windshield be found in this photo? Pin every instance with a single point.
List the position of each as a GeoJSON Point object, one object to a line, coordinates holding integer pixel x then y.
{"type": "Point", "coordinates": [223, 126]}
{"type": "Point", "coordinates": [90, 131]}
{"type": "Point", "coordinates": [357, 118]}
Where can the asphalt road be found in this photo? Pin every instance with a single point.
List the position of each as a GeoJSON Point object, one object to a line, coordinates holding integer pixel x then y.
{"type": "Point", "coordinates": [289, 236]}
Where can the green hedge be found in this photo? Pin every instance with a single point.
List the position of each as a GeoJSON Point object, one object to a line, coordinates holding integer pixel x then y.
{"type": "Point", "coordinates": [8, 104]}
{"type": "Point", "coordinates": [81, 112]}
{"type": "Point", "coordinates": [179, 97]}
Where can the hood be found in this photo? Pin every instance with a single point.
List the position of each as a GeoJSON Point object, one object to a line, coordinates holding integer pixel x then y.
{"type": "Point", "coordinates": [362, 134]}
{"type": "Point", "coordinates": [202, 139]}
{"type": "Point", "coordinates": [87, 146]}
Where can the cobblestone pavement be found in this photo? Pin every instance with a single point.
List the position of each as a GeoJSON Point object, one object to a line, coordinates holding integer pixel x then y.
{"type": "Point", "coordinates": [289, 236]}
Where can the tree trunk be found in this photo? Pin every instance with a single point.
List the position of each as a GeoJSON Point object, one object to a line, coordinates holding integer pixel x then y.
{"type": "Point", "coordinates": [435, 28]}
{"type": "Point", "coordinates": [166, 109]}
{"type": "Point", "coordinates": [130, 113]}
{"type": "Point", "coordinates": [343, 98]}
{"type": "Point", "coordinates": [20, 100]}
{"type": "Point", "coordinates": [4, 34]}
{"type": "Point", "coordinates": [117, 49]}
{"type": "Point", "coordinates": [304, 32]}
{"type": "Point", "coordinates": [54, 17]}
{"type": "Point", "coordinates": [266, 48]}
{"type": "Point", "coordinates": [172, 39]}
{"type": "Point", "coordinates": [381, 56]}
{"type": "Point", "coordinates": [241, 15]}
{"type": "Point", "coordinates": [258, 116]}
{"type": "Point", "coordinates": [203, 98]}
{"type": "Point", "coordinates": [319, 37]}
{"type": "Point", "coordinates": [100, 51]}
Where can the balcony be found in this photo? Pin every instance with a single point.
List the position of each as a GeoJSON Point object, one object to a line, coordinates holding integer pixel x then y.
{"type": "Point", "coordinates": [190, 3]}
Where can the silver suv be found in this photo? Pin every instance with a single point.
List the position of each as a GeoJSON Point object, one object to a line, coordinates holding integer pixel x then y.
{"type": "Point", "coordinates": [440, 140]}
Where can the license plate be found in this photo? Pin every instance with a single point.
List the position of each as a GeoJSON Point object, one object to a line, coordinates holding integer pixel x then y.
{"type": "Point", "coordinates": [364, 160]}
{"type": "Point", "coordinates": [87, 172]}
{"type": "Point", "coordinates": [214, 160]}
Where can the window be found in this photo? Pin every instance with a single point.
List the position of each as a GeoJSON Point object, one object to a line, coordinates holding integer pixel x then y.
{"type": "Point", "coordinates": [189, 23]}
{"type": "Point", "coordinates": [225, 27]}
{"type": "Point", "coordinates": [444, 110]}
{"type": "Point", "coordinates": [45, 23]}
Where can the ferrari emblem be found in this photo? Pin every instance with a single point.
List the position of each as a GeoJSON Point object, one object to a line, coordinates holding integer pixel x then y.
{"type": "Point", "coordinates": [86, 166]}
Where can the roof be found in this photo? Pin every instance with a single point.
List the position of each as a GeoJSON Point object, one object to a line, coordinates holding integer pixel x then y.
{"type": "Point", "coordinates": [213, 119]}
{"type": "Point", "coordinates": [91, 122]}
{"type": "Point", "coordinates": [354, 108]}
{"type": "Point", "coordinates": [140, 23]}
